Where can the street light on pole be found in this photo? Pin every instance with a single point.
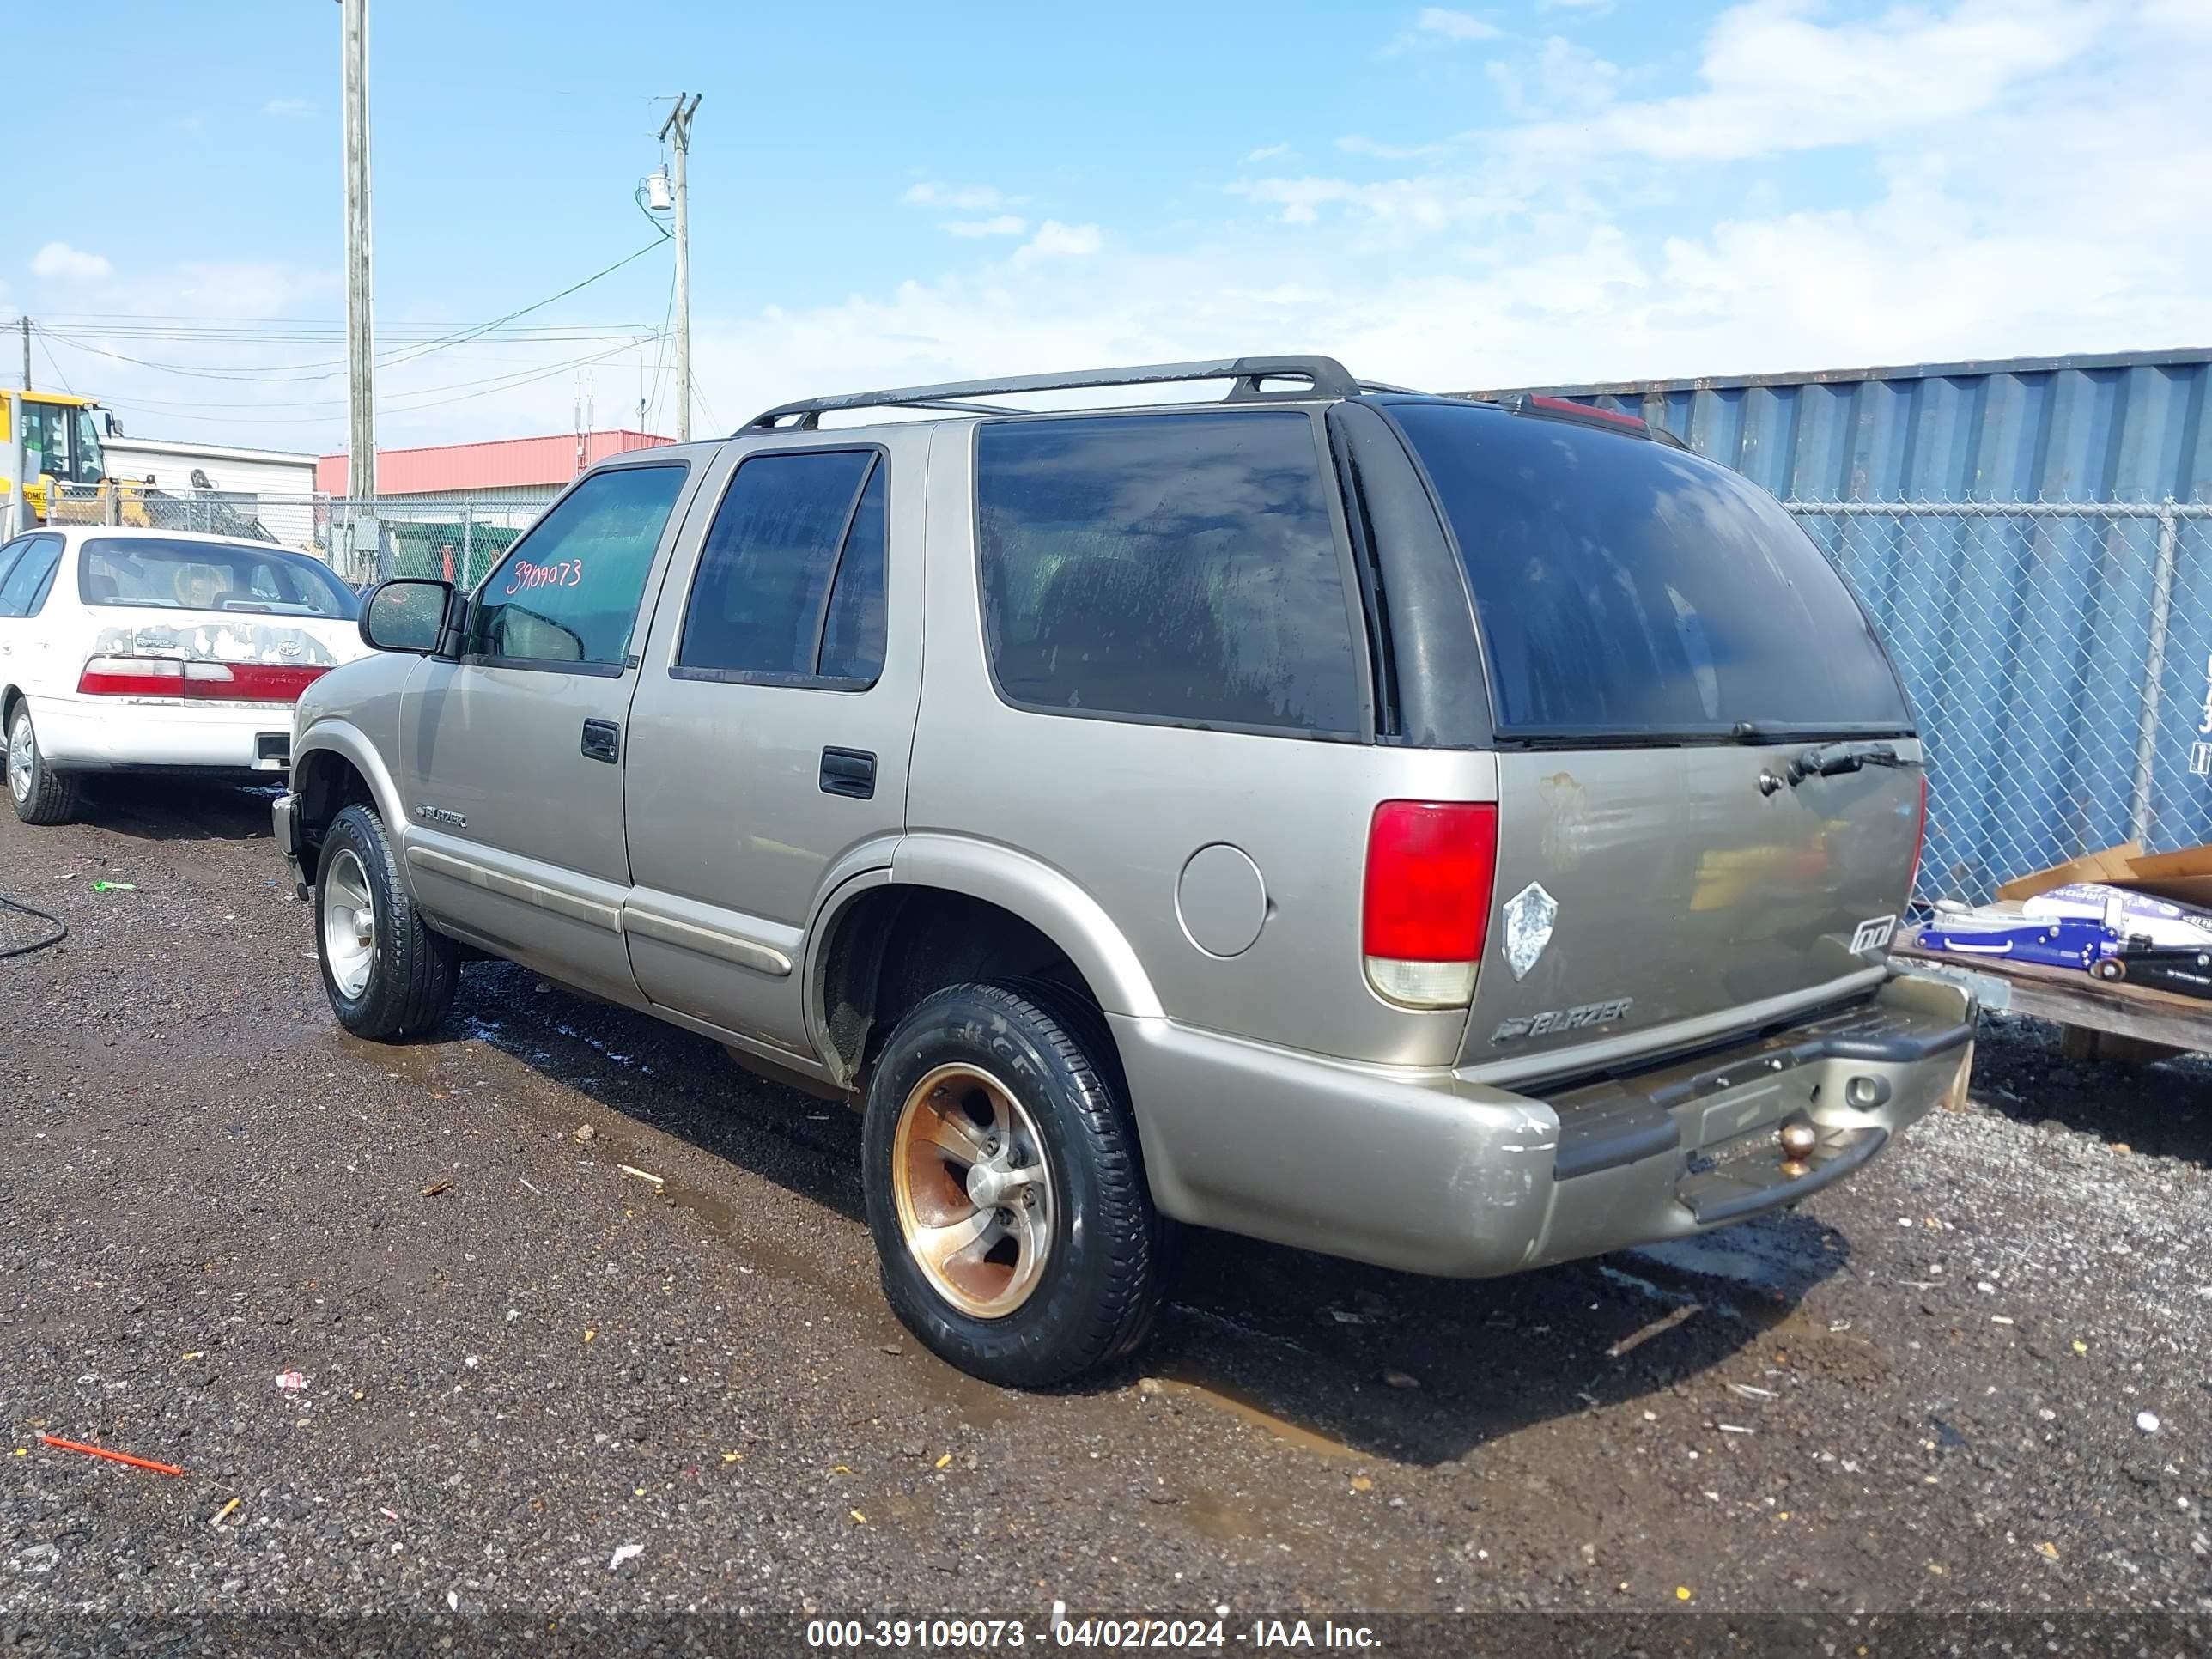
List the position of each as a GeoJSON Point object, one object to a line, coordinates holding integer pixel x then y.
{"type": "Point", "coordinates": [676, 131]}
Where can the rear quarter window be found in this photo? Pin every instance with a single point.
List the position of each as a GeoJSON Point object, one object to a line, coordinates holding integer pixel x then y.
{"type": "Point", "coordinates": [1626, 587]}
{"type": "Point", "coordinates": [1178, 568]}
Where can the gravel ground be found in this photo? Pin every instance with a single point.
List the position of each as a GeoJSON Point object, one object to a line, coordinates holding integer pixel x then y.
{"type": "Point", "coordinates": [521, 1378]}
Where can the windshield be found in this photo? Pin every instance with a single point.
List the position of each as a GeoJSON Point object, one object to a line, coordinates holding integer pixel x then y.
{"type": "Point", "coordinates": [1628, 589]}
{"type": "Point", "coordinates": [190, 575]}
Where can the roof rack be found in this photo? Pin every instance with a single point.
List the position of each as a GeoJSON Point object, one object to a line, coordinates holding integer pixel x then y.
{"type": "Point", "coordinates": [1323, 377]}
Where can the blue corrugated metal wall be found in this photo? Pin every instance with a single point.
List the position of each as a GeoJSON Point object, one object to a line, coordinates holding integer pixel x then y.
{"type": "Point", "coordinates": [2129, 427]}
{"type": "Point", "coordinates": [2027, 639]}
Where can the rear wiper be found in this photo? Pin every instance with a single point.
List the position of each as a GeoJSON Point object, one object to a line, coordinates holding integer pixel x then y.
{"type": "Point", "coordinates": [1830, 760]}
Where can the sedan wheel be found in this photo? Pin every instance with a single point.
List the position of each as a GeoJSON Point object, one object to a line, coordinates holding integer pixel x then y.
{"type": "Point", "coordinates": [20, 758]}
{"type": "Point", "coordinates": [38, 794]}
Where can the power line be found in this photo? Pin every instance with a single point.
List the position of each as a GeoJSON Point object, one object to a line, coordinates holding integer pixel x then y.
{"type": "Point", "coordinates": [332, 401]}
{"type": "Point", "coordinates": [330, 369]}
{"type": "Point", "coordinates": [392, 406]}
{"type": "Point", "coordinates": [51, 363]}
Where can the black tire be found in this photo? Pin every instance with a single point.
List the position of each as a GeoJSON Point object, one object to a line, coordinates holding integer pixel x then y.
{"type": "Point", "coordinates": [1100, 1286]}
{"type": "Point", "coordinates": [41, 794]}
{"type": "Point", "coordinates": [413, 969]}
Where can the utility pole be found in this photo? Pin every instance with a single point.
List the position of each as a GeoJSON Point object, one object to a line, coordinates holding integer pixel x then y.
{"type": "Point", "coordinates": [26, 354]}
{"type": "Point", "coordinates": [360, 363]}
{"type": "Point", "coordinates": [676, 129]}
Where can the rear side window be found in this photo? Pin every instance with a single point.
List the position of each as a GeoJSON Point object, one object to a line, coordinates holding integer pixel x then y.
{"type": "Point", "coordinates": [569, 590]}
{"type": "Point", "coordinates": [790, 584]}
{"type": "Point", "coordinates": [151, 573]}
{"type": "Point", "coordinates": [1628, 588]}
{"type": "Point", "coordinates": [1172, 567]}
{"type": "Point", "coordinates": [24, 590]}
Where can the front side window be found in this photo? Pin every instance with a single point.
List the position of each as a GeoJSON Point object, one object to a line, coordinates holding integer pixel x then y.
{"type": "Point", "coordinates": [1172, 567]}
{"type": "Point", "coordinates": [569, 590]}
{"type": "Point", "coordinates": [91, 457]}
{"type": "Point", "coordinates": [46, 441]}
{"type": "Point", "coordinates": [24, 590]}
{"type": "Point", "coordinates": [790, 582]}
{"type": "Point", "coordinates": [158, 574]}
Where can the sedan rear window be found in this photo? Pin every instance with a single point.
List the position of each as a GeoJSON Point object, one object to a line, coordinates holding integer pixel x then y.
{"type": "Point", "coordinates": [155, 572]}
{"type": "Point", "coordinates": [1626, 588]}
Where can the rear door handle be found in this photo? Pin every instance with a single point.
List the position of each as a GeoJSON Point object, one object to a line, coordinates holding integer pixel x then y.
{"type": "Point", "coordinates": [848, 772]}
{"type": "Point", "coordinates": [601, 741]}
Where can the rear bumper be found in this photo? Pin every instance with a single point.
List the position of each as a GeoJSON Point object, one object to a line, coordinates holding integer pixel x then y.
{"type": "Point", "coordinates": [1425, 1171]}
{"type": "Point", "coordinates": [116, 734]}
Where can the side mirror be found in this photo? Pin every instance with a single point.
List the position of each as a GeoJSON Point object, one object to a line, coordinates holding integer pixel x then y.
{"type": "Point", "coordinates": [408, 615]}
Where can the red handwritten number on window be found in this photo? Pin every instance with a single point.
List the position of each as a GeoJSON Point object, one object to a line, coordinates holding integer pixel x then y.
{"type": "Point", "coordinates": [525, 575]}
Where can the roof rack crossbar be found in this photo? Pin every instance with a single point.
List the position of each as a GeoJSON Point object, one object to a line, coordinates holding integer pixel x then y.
{"type": "Point", "coordinates": [1323, 377]}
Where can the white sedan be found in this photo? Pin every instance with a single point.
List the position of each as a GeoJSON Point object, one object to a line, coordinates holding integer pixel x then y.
{"type": "Point", "coordinates": [153, 650]}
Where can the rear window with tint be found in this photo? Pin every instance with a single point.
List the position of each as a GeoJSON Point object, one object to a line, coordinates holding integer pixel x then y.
{"type": "Point", "coordinates": [185, 575]}
{"type": "Point", "coordinates": [1171, 567]}
{"type": "Point", "coordinates": [1628, 588]}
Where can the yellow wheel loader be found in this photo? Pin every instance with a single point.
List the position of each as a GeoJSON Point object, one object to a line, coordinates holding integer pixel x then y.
{"type": "Point", "coordinates": [50, 442]}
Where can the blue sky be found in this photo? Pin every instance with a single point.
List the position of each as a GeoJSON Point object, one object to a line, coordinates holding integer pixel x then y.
{"type": "Point", "coordinates": [1482, 195]}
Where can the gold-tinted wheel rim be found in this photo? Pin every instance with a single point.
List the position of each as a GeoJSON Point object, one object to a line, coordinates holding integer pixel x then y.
{"type": "Point", "coordinates": [974, 1192]}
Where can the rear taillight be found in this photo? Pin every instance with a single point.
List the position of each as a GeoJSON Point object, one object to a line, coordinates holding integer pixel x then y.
{"type": "Point", "coordinates": [1431, 869]}
{"type": "Point", "coordinates": [212, 682]}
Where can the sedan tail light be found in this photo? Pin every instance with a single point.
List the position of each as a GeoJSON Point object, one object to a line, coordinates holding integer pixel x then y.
{"type": "Point", "coordinates": [210, 682]}
{"type": "Point", "coordinates": [1431, 867]}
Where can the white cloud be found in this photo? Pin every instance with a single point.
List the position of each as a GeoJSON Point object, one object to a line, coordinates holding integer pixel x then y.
{"type": "Point", "coordinates": [61, 261]}
{"type": "Point", "coordinates": [1422, 204]}
{"type": "Point", "coordinates": [1775, 78]}
{"type": "Point", "coordinates": [1006, 224]}
{"type": "Point", "coordinates": [1452, 25]}
{"type": "Point", "coordinates": [289, 108]}
{"type": "Point", "coordinates": [1560, 78]}
{"type": "Point", "coordinates": [1055, 240]}
{"type": "Point", "coordinates": [1265, 153]}
{"type": "Point", "coordinates": [2013, 215]}
{"type": "Point", "coordinates": [1353, 144]}
{"type": "Point", "coordinates": [961, 198]}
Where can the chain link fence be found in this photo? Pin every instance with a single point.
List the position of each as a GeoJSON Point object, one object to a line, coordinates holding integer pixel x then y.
{"type": "Point", "coordinates": [454, 541]}
{"type": "Point", "coordinates": [2059, 654]}
{"type": "Point", "coordinates": [287, 521]}
{"type": "Point", "coordinates": [364, 541]}
{"type": "Point", "coordinates": [2059, 657]}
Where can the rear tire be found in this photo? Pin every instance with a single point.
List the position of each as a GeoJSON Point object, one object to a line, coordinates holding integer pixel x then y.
{"type": "Point", "coordinates": [41, 794]}
{"type": "Point", "coordinates": [1005, 1190]}
{"type": "Point", "coordinates": [387, 973]}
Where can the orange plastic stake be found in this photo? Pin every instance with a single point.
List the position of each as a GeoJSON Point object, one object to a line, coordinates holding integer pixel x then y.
{"type": "Point", "coordinates": [112, 1457]}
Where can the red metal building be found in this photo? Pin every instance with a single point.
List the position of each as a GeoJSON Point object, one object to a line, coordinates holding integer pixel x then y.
{"type": "Point", "coordinates": [503, 467]}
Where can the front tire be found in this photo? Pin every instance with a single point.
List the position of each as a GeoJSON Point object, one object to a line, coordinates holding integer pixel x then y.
{"type": "Point", "coordinates": [1005, 1190]}
{"type": "Point", "coordinates": [41, 794]}
{"type": "Point", "coordinates": [387, 973]}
